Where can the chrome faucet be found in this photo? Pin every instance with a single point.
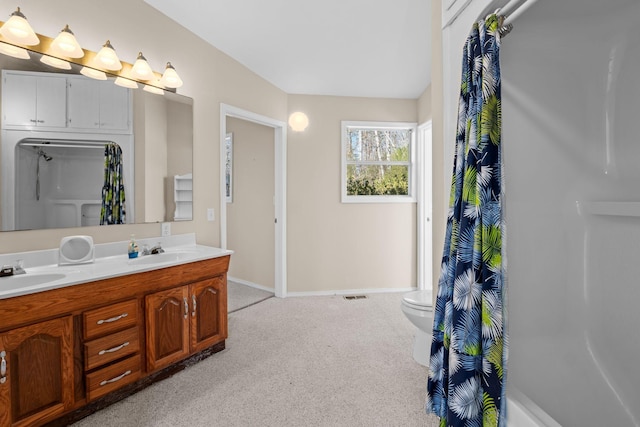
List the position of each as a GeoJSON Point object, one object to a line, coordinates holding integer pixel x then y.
{"type": "Point", "coordinates": [157, 249]}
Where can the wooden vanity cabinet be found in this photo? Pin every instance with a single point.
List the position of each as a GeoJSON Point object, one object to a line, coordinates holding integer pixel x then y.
{"type": "Point", "coordinates": [185, 320]}
{"type": "Point", "coordinates": [36, 381]}
{"type": "Point", "coordinates": [74, 350]}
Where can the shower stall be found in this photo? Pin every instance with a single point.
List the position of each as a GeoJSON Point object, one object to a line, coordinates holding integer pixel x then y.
{"type": "Point", "coordinates": [571, 146]}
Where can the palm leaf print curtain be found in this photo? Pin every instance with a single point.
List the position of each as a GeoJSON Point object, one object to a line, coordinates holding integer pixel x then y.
{"type": "Point", "coordinates": [468, 353]}
{"type": "Point", "coordinates": [113, 209]}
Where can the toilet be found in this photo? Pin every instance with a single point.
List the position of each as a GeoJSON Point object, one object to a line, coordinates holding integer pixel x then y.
{"type": "Point", "coordinates": [418, 307]}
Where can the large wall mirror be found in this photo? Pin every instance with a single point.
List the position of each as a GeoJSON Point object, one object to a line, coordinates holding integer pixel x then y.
{"type": "Point", "coordinates": [56, 125]}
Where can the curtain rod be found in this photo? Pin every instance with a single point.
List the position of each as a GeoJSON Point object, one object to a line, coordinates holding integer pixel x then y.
{"type": "Point", "coordinates": [63, 143]}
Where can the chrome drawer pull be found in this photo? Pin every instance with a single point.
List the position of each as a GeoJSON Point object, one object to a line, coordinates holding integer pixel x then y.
{"type": "Point", "coordinates": [113, 380]}
{"type": "Point", "coordinates": [3, 367]}
{"type": "Point", "coordinates": [112, 319]}
{"type": "Point", "coordinates": [111, 350]}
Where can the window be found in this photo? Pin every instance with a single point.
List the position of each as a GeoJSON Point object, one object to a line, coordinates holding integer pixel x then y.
{"type": "Point", "coordinates": [378, 162]}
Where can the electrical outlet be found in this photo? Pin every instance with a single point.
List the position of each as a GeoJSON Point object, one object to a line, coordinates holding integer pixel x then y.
{"type": "Point", "coordinates": [166, 229]}
{"type": "Point", "coordinates": [211, 214]}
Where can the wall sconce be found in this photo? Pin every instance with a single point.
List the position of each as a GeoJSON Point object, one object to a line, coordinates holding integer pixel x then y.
{"type": "Point", "coordinates": [65, 44]}
{"type": "Point", "coordinates": [298, 121]}
{"type": "Point", "coordinates": [17, 30]}
{"type": "Point", "coordinates": [65, 50]}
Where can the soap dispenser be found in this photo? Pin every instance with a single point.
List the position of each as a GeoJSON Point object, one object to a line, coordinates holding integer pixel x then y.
{"type": "Point", "coordinates": [133, 247]}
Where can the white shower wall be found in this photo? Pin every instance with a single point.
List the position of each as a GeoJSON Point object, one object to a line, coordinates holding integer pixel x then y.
{"type": "Point", "coordinates": [571, 105]}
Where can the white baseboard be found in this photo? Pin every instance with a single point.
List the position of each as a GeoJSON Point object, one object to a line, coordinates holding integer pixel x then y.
{"type": "Point", "coordinates": [248, 283]}
{"type": "Point", "coordinates": [350, 292]}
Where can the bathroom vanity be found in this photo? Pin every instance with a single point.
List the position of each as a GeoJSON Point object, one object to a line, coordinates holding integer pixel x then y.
{"type": "Point", "coordinates": [107, 330]}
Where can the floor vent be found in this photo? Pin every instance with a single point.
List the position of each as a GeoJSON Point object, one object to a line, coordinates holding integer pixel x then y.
{"type": "Point", "coordinates": [353, 297]}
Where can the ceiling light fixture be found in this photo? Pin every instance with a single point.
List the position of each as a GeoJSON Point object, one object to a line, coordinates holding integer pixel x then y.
{"type": "Point", "coordinates": [65, 44]}
{"type": "Point", "coordinates": [55, 62]}
{"type": "Point", "coordinates": [141, 69]}
{"type": "Point", "coordinates": [298, 121]}
{"type": "Point", "coordinates": [17, 30]}
{"type": "Point", "coordinates": [14, 51]}
{"type": "Point", "coordinates": [107, 58]}
{"type": "Point", "coordinates": [170, 78]}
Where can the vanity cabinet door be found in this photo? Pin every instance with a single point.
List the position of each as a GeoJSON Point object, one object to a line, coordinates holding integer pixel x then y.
{"type": "Point", "coordinates": [208, 313]}
{"type": "Point", "coordinates": [36, 372]}
{"type": "Point", "coordinates": [167, 314]}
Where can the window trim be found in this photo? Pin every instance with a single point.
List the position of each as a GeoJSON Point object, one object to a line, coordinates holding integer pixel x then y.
{"type": "Point", "coordinates": [392, 198]}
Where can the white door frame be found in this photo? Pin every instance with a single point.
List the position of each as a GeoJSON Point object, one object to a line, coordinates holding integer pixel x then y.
{"type": "Point", "coordinates": [280, 140]}
{"type": "Point", "coordinates": [424, 211]}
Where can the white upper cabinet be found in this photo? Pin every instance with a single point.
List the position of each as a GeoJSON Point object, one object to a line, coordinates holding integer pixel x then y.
{"type": "Point", "coordinates": [98, 105]}
{"type": "Point", "coordinates": [64, 102]}
{"type": "Point", "coordinates": [34, 100]}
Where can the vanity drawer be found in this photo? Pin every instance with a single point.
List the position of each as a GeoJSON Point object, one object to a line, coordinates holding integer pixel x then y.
{"type": "Point", "coordinates": [113, 377]}
{"type": "Point", "coordinates": [107, 349]}
{"type": "Point", "coordinates": [111, 318]}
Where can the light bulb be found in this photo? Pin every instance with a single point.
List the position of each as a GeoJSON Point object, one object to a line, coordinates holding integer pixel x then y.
{"type": "Point", "coordinates": [65, 44]}
{"type": "Point", "coordinates": [141, 69]}
{"type": "Point", "coordinates": [170, 78]}
{"type": "Point", "coordinates": [107, 58]}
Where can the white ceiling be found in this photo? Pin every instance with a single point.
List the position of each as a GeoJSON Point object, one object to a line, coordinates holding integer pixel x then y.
{"type": "Point", "coordinates": [369, 48]}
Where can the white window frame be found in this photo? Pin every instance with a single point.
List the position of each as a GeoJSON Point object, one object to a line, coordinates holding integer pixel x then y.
{"type": "Point", "coordinates": [392, 198]}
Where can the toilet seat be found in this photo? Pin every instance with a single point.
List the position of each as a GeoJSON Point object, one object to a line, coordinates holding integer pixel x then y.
{"type": "Point", "coordinates": [420, 300]}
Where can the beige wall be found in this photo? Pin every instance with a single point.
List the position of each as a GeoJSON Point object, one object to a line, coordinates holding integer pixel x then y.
{"type": "Point", "coordinates": [337, 246]}
{"type": "Point", "coordinates": [210, 77]}
{"type": "Point", "coordinates": [250, 226]}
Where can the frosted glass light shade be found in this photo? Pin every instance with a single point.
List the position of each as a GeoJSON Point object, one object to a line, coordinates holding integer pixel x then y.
{"type": "Point", "coordinates": [55, 62]}
{"type": "Point", "coordinates": [17, 30]}
{"type": "Point", "coordinates": [141, 69]}
{"type": "Point", "coordinates": [94, 74]}
{"type": "Point", "coordinates": [121, 81]}
{"type": "Point", "coordinates": [298, 121]}
{"type": "Point", "coordinates": [107, 58]}
{"type": "Point", "coordinates": [14, 51]}
{"type": "Point", "coordinates": [170, 78]}
{"type": "Point", "coordinates": [65, 44]}
{"type": "Point", "coordinates": [153, 89]}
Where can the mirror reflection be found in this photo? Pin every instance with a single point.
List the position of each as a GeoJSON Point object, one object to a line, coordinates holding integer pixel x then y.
{"type": "Point", "coordinates": [82, 152]}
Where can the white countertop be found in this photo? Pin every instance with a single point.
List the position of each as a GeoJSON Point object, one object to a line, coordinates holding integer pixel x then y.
{"type": "Point", "coordinates": [111, 261]}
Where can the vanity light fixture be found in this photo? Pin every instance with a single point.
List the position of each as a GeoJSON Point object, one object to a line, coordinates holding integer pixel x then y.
{"type": "Point", "coordinates": [14, 51]}
{"type": "Point", "coordinates": [107, 58]}
{"type": "Point", "coordinates": [65, 44]}
{"type": "Point", "coordinates": [124, 82]}
{"type": "Point", "coordinates": [55, 62]}
{"type": "Point", "coordinates": [298, 121]}
{"type": "Point", "coordinates": [153, 89]}
{"type": "Point", "coordinates": [93, 73]}
{"type": "Point", "coordinates": [17, 30]}
{"type": "Point", "coordinates": [141, 69]}
{"type": "Point", "coordinates": [170, 78]}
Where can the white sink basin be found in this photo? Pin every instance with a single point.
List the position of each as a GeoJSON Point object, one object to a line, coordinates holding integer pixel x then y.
{"type": "Point", "coordinates": [161, 258]}
{"type": "Point", "coordinates": [23, 280]}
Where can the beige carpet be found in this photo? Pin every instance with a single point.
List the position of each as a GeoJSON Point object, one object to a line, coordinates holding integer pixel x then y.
{"type": "Point", "coordinates": [241, 296]}
{"type": "Point", "coordinates": [304, 361]}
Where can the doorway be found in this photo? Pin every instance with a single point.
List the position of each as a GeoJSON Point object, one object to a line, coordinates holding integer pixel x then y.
{"type": "Point", "coordinates": [279, 161]}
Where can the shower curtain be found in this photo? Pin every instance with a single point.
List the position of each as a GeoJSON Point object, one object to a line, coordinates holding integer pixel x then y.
{"type": "Point", "coordinates": [467, 368]}
{"type": "Point", "coordinates": [113, 209]}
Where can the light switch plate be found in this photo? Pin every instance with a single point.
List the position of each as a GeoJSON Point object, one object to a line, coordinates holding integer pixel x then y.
{"type": "Point", "coordinates": [211, 215]}
{"type": "Point", "coordinates": [166, 229]}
